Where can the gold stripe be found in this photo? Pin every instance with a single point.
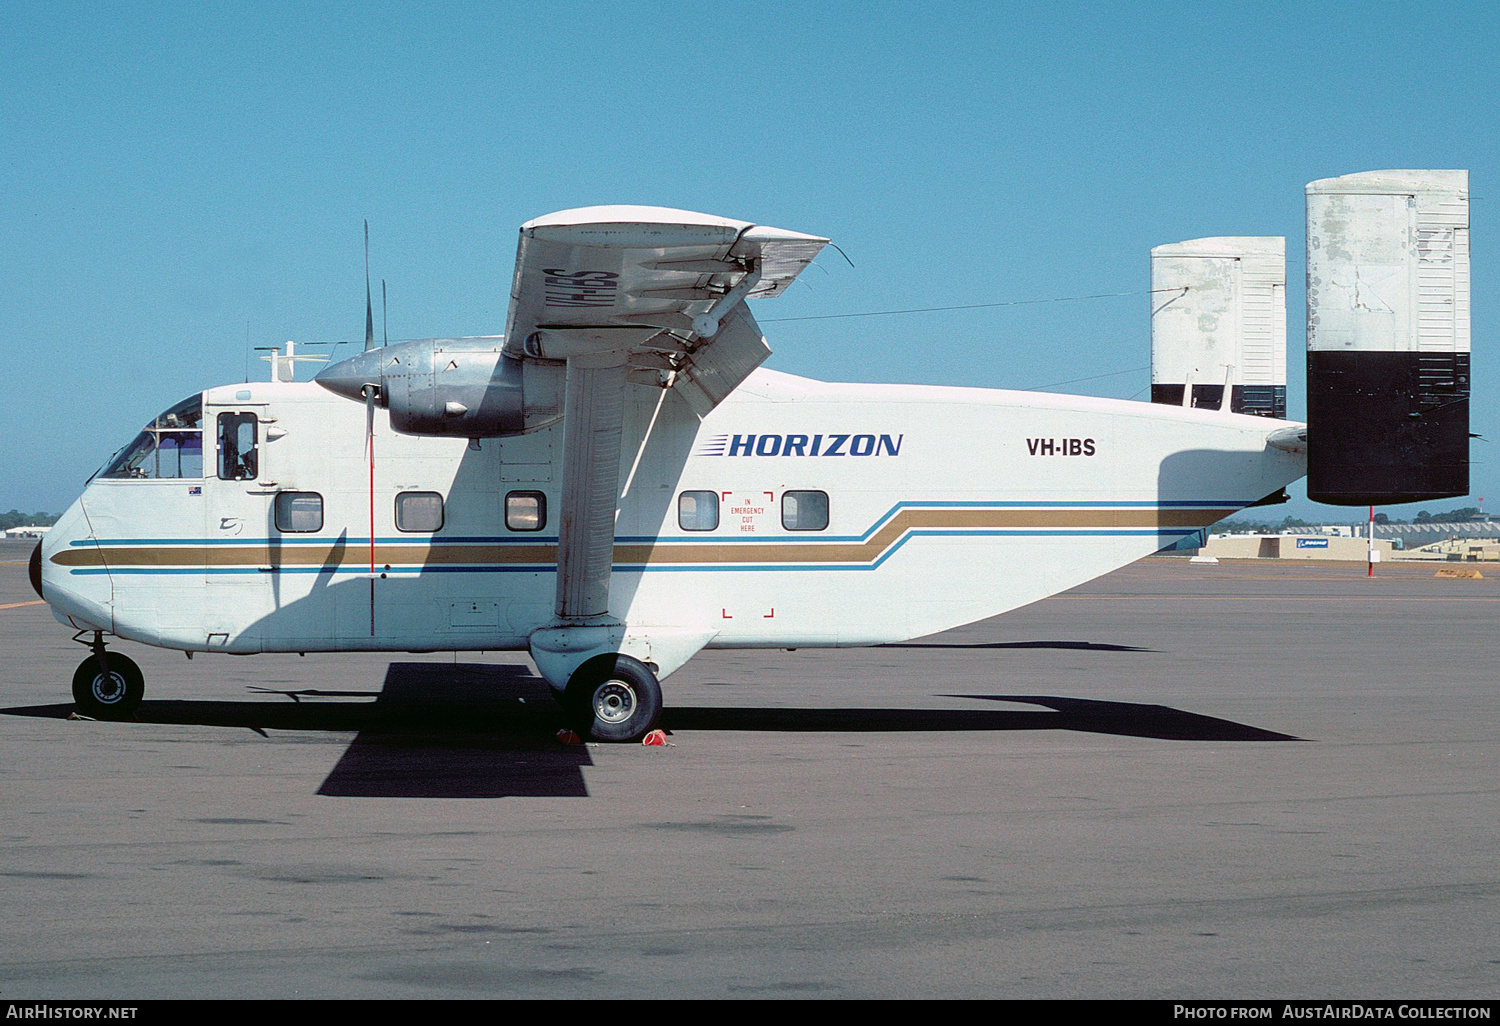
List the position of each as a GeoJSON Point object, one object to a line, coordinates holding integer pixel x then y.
{"type": "Point", "coordinates": [339, 556]}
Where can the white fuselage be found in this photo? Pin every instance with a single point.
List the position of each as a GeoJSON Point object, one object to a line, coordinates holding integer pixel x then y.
{"type": "Point", "coordinates": [945, 505]}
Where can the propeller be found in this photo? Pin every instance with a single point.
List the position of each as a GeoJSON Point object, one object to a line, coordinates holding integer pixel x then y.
{"type": "Point", "coordinates": [369, 308]}
{"type": "Point", "coordinates": [370, 392]}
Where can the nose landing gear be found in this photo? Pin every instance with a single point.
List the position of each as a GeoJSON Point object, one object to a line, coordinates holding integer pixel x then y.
{"type": "Point", "coordinates": [108, 685]}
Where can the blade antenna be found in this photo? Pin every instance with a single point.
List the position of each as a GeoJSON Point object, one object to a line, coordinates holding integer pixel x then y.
{"type": "Point", "coordinates": [369, 308]}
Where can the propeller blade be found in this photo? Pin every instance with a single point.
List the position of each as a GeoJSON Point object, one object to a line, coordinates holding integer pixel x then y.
{"type": "Point", "coordinates": [369, 307]}
{"type": "Point", "coordinates": [369, 391]}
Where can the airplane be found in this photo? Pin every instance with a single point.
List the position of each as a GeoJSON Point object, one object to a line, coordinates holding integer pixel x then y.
{"type": "Point", "coordinates": [615, 483]}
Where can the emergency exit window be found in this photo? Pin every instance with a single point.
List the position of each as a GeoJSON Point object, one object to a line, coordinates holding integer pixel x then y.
{"type": "Point", "coordinates": [698, 511]}
{"type": "Point", "coordinates": [419, 511]}
{"type": "Point", "coordinates": [804, 511]}
{"type": "Point", "coordinates": [525, 511]}
{"type": "Point", "coordinates": [237, 455]}
{"type": "Point", "coordinates": [299, 512]}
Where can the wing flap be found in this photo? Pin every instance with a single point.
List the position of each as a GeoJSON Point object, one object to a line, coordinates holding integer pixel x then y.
{"type": "Point", "coordinates": [716, 368]}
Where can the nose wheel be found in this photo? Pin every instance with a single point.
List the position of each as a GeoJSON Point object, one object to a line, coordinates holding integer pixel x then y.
{"type": "Point", "coordinates": [613, 698]}
{"type": "Point", "coordinates": [111, 691]}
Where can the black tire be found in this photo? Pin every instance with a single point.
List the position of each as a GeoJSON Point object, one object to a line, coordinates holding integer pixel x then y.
{"type": "Point", "coordinates": [112, 697]}
{"type": "Point", "coordinates": [613, 698]}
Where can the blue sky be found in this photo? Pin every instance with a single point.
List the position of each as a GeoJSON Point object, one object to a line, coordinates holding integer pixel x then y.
{"type": "Point", "coordinates": [173, 173]}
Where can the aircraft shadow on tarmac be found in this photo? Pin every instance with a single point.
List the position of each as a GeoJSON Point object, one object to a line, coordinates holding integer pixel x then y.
{"type": "Point", "coordinates": [1128, 719]}
{"type": "Point", "coordinates": [469, 730]}
{"type": "Point", "coordinates": [1077, 646]}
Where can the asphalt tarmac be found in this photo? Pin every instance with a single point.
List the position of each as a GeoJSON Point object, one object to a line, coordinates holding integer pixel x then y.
{"type": "Point", "coordinates": [1179, 781]}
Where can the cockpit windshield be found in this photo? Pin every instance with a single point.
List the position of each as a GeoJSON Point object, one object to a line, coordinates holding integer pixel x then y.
{"type": "Point", "coordinates": [170, 446]}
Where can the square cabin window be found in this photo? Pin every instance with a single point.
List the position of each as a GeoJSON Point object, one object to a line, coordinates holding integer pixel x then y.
{"type": "Point", "coordinates": [698, 511]}
{"type": "Point", "coordinates": [526, 511]}
{"type": "Point", "coordinates": [419, 511]}
{"type": "Point", "coordinates": [299, 512]}
{"type": "Point", "coordinates": [804, 511]}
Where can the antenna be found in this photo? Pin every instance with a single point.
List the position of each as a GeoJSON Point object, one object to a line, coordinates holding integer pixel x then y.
{"type": "Point", "coordinates": [385, 327]}
{"type": "Point", "coordinates": [284, 368]}
{"type": "Point", "coordinates": [369, 310]}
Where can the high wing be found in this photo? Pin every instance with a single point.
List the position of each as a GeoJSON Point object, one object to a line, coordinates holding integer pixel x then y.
{"type": "Point", "coordinates": [643, 294]}
{"type": "Point", "coordinates": [661, 288]}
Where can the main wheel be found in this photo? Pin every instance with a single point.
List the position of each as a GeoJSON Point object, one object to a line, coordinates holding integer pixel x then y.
{"type": "Point", "coordinates": [108, 696]}
{"type": "Point", "coordinates": [613, 698]}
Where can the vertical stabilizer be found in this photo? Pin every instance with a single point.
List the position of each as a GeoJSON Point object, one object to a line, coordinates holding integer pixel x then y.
{"type": "Point", "coordinates": [1218, 319]}
{"type": "Point", "coordinates": [1388, 337]}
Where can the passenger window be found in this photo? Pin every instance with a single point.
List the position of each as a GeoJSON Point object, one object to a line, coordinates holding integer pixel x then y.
{"type": "Point", "coordinates": [237, 455]}
{"type": "Point", "coordinates": [698, 511]}
{"type": "Point", "coordinates": [419, 511]}
{"type": "Point", "coordinates": [526, 511]}
{"type": "Point", "coordinates": [804, 511]}
{"type": "Point", "coordinates": [299, 512]}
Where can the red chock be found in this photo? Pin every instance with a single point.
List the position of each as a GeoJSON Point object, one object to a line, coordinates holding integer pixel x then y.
{"type": "Point", "coordinates": [569, 737]}
{"type": "Point", "coordinates": [655, 739]}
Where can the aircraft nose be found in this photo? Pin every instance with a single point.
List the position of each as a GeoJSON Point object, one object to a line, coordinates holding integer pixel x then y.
{"type": "Point", "coordinates": [34, 568]}
{"type": "Point", "coordinates": [348, 378]}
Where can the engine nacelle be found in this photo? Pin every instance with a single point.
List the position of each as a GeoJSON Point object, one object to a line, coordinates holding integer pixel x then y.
{"type": "Point", "coordinates": [467, 388]}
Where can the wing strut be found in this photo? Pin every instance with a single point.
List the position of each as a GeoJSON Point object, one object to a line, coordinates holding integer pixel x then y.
{"type": "Point", "coordinates": [593, 418]}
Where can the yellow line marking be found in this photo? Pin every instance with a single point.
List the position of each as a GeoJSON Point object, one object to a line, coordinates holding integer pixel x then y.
{"type": "Point", "coordinates": [1388, 577]}
{"type": "Point", "coordinates": [18, 605]}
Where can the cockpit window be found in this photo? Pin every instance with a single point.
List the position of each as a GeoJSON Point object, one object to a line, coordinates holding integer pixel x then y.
{"type": "Point", "coordinates": [171, 446]}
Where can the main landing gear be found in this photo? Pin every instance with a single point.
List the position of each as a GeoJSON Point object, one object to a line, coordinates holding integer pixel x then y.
{"type": "Point", "coordinates": [107, 685]}
{"type": "Point", "coordinates": [613, 698]}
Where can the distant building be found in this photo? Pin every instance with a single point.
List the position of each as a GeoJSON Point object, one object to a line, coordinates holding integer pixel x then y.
{"type": "Point", "coordinates": [1292, 546]}
{"type": "Point", "coordinates": [26, 531]}
{"type": "Point", "coordinates": [1459, 550]}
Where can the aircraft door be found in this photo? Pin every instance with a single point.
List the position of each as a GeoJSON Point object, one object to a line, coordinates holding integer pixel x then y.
{"type": "Point", "coordinates": [237, 528]}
